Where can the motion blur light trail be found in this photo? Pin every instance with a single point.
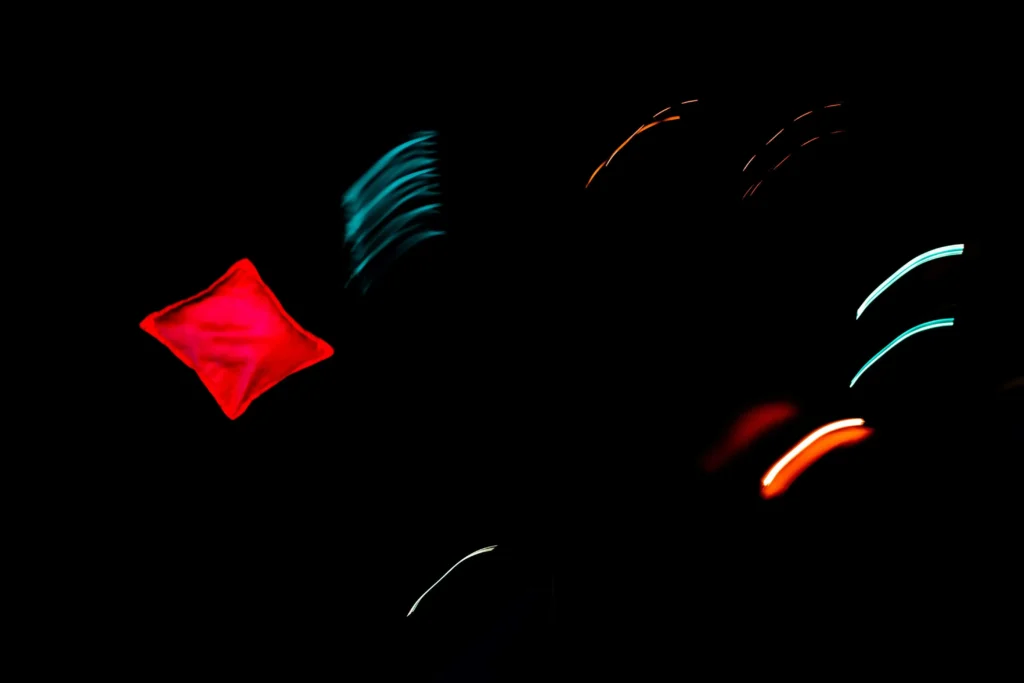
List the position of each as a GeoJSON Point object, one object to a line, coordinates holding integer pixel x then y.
{"type": "Point", "coordinates": [941, 252]}
{"type": "Point", "coordinates": [639, 130]}
{"type": "Point", "coordinates": [747, 429]}
{"type": "Point", "coordinates": [750, 190]}
{"type": "Point", "coordinates": [941, 322]}
{"type": "Point", "coordinates": [387, 207]}
{"type": "Point", "coordinates": [472, 554]}
{"type": "Point", "coordinates": [811, 449]}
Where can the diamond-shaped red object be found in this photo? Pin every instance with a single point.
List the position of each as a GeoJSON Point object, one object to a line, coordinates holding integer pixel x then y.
{"type": "Point", "coordinates": [237, 338]}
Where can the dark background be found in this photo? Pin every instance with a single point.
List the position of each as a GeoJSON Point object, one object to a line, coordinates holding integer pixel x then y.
{"type": "Point", "coordinates": [546, 376]}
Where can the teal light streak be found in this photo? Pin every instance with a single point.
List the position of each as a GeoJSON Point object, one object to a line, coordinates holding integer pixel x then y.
{"type": "Point", "coordinates": [942, 322]}
{"type": "Point", "coordinates": [941, 252]}
{"type": "Point", "coordinates": [388, 208]}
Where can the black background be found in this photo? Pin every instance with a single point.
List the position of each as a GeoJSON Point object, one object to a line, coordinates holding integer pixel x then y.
{"type": "Point", "coordinates": [546, 376]}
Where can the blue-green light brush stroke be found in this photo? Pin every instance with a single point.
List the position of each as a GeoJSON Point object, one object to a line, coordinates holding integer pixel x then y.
{"type": "Point", "coordinates": [388, 208]}
{"type": "Point", "coordinates": [942, 322]}
{"type": "Point", "coordinates": [941, 252]}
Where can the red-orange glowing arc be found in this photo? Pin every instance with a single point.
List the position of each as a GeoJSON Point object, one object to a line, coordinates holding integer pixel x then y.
{"type": "Point", "coordinates": [811, 449]}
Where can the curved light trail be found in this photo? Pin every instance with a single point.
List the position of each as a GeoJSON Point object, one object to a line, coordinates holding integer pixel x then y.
{"type": "Point", "coordinates": [477, 552]}
{"type": "Point", "coordinates": [639, 130]}
{"type": "Point", "coordinates": [750, 192]}
{"type": "Point", "coordinates": [941, 322]}
{"type": "Point", "coordinates": [941, 252]}
{"type": "Point", "coordinates": [810, 450]}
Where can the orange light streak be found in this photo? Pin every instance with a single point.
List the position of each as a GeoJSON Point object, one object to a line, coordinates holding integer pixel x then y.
{"type": "Point", "coordinates": [747, 192]}
{"type": "Point", "coordinates": [748, 164]}
{"type": "Point", "coordinates": [639, 130]}
{"type": "Point", "coordinates": [802, 115]}
{"type": "Point", "coordinates": [813, 447]}
{"type": "Point", "coordinates": [688, 102]}
{"type": "Point", "coordinates": [773, 137]}
{"type": "Point", "coordinates": [755, 187]}
{"type": "Point", "coordinates": [829, 106]}
{"type": "Point", "coordinates": [782, 162]}
{"type": "Point", "coordinates": [594, 174]}
{"type": "Point", "coordinates": [809, 142]}
{"type": "Point", "coordinates": [661, 112]}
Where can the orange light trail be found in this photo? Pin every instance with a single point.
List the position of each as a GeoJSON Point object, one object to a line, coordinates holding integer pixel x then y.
{"type": "Point", "coordinates": [639, 130]}
{"type": "Point", "coordinates": [688, 102]}
{"type": "Point", "coordinates": [811, 449]}
{"type": "Point", "coordinates": [829, 106]}
{"type": "Point", "coordinates": [748, 164]}
{"type": "Point", "coordinates": [747, 192]}
{"type": "Point", "coordinates": [809, 142]}
{"type": "Point", "coordinates": [802, 115]}
{"type": "Point", "coordinates": [782, 162]}
{"type": "Point", "coordinates": [838, 131]}
{"type": "Point", "coordinates": [773, 137]}
{"type": "Point", "coordinates": [661, 112]}
{"type": "Point", "coordinates": [755, 187]}
{"type": "Point", "coordinates": [594, 174]}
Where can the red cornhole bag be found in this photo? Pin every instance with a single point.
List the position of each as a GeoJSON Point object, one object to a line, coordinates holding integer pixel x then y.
{"type": "Point", "coordinates": [237, 338]}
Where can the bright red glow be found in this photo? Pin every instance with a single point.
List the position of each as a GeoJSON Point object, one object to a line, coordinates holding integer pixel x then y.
{"type": "Point", "coordinates": [808, 142]}
{"type": "Point", "coordinates": [237, 337]}
{"type": "Point", "coordinates": [783, 161]}
{"type": "Point", "coordinates": [811, 449]}
{"type": "Point", "coordinates": [802, 115]}
{"type": "Point", "coordinates": [748, 428]}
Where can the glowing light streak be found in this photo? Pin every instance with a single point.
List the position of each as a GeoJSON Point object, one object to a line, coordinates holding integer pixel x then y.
{"type": "Point", "coordinates": [472, 554]}
{"type": "Point", "coordinates": [811, 449]}
{"type": "Point", "coordinates": [923, 327]}
{"type": "Point", "coordinates": [940, 252]}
